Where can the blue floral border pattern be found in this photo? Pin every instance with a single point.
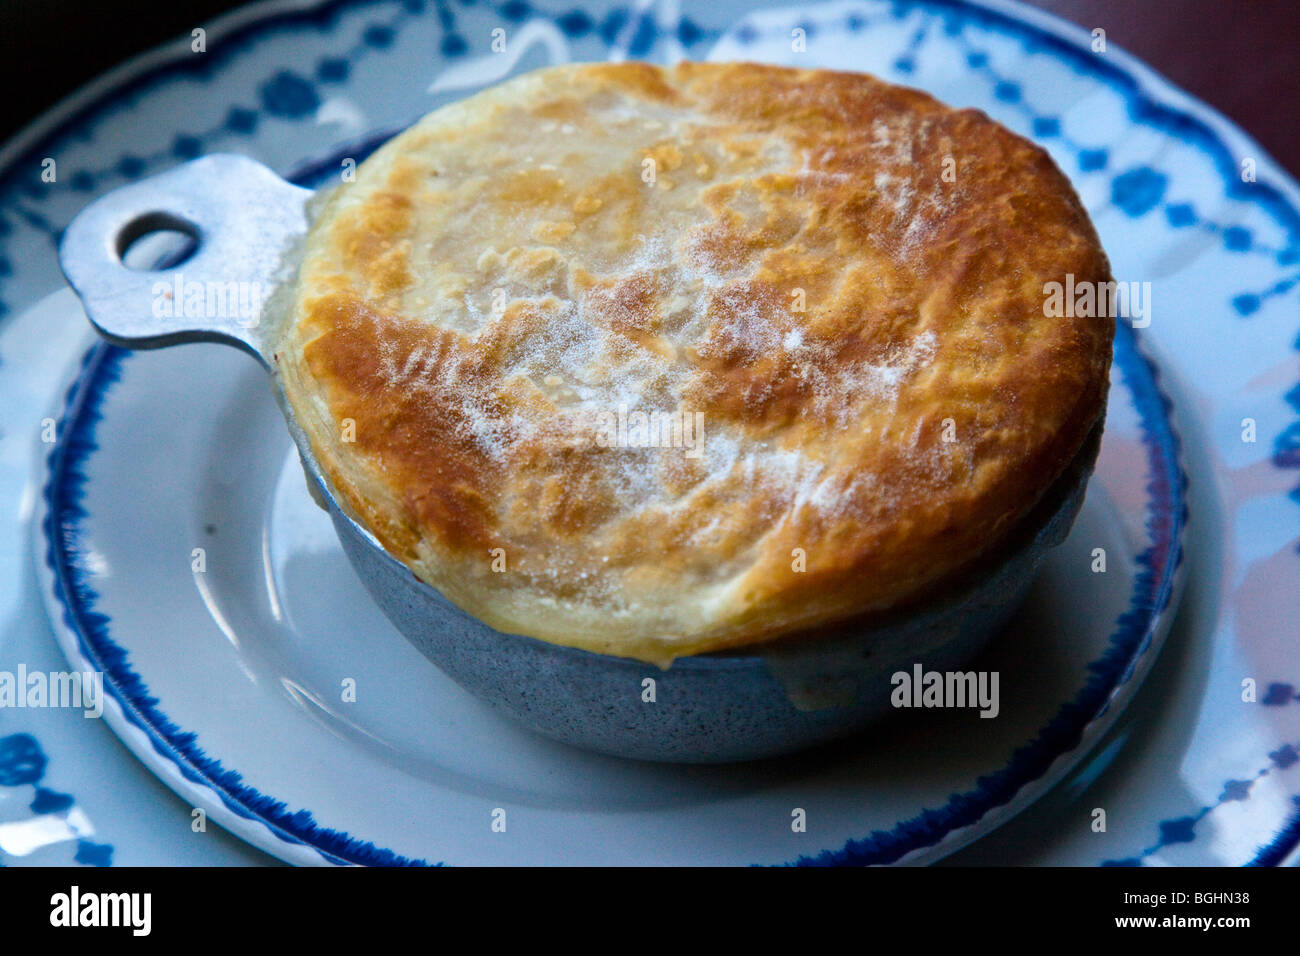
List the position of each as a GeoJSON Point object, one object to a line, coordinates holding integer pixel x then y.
{"type": "Point", "coordinates": [1183, 829]}
{"type": "Point", "coordinates": [292, 95]}
{"type": "Point", "coordinates": [22, 764]}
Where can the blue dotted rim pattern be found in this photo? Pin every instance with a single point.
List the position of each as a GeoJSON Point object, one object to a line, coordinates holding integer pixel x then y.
{"type": "Point", "coordinates": [1136, 192]}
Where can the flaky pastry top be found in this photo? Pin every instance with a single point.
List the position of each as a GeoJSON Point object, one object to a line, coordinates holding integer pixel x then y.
{"type": "Point", "coordinates": [660, 361]}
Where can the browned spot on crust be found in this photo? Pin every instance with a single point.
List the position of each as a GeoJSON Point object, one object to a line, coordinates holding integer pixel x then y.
{"type": "Point", "coordinates": [373, 241]}
{"type": "Point", "coordinates": [388, 376]}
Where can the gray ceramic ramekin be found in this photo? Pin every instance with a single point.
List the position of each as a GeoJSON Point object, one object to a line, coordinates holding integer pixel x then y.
{"type": "Point", "coordinates": [247, 224]}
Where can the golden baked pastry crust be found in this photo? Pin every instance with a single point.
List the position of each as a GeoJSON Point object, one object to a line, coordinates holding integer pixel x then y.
{"type": "Point", "coordinates": [882, 395]}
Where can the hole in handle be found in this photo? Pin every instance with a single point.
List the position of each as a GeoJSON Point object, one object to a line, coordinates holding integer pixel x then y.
{"type": "Point", "coordinates": [156, 240]}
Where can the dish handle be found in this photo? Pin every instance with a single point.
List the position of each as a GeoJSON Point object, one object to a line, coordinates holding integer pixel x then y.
{"type": "Point", "coordinates": [244, 223]}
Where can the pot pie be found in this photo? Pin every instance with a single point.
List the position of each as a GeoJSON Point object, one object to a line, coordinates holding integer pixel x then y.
{"type": "Point", "coordinates": [656, 362]}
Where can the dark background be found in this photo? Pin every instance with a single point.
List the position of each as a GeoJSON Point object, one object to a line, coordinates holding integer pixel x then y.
{"type": "Point", "coordinates": [1240, 56]}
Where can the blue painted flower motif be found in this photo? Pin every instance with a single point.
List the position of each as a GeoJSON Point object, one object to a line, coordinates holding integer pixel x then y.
{"type": "Point", "coordinates": [1277, 695]}
{"type": "Point", "coordinates": [289, 95]}
{"type": "Point", "coordinates": [333, 69]}
{"type": "Point", "coordinates": [1007, 91]}
{"type": "Point", "coordinates": [21, 760]}
{"type": "Point", "coordinates": [23, 763]}
{"type": "Point", "coordinates": [1236, 238]}
{"type": "Point", "coordinates": [186, 147]}
{"type": "Point", "coordinates": [688, 32]}
{"type": "Point", "coordinates": [575, 24]}
{"type": "Point", "coordinates": [515, 11]}
{"type": "Point", "coordinates": [1045, 126]}
{"type": "Point", "coordinates": [453, 44]}
{"type": "Point", "coordinates": [1284, 756]}
{"type": "Point", "coordinates": [241, 120]}
{"type": "Point", "coordinates": [1182, 830]}
{"type": "Point", "coordinates": [130, 167]}
{"type": "Point", "coordinates": [49, 801]}
{"type": "Point", "coordinates": [1139, 190]}
{"type": "Point", "coordinates": [94, 854]}
{"type": "Point", "coordinates": [1286, 447]}
{"type": "Point", "coordinates": [378, 35]}
{"type": "Point", "coordinates": [1246, 303]}
{"type": "Point", "coordinates": [1091, 160]}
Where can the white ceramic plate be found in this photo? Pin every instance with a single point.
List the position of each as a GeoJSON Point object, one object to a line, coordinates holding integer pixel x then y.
{"type": "Point", "coordinates": [211, 592]}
